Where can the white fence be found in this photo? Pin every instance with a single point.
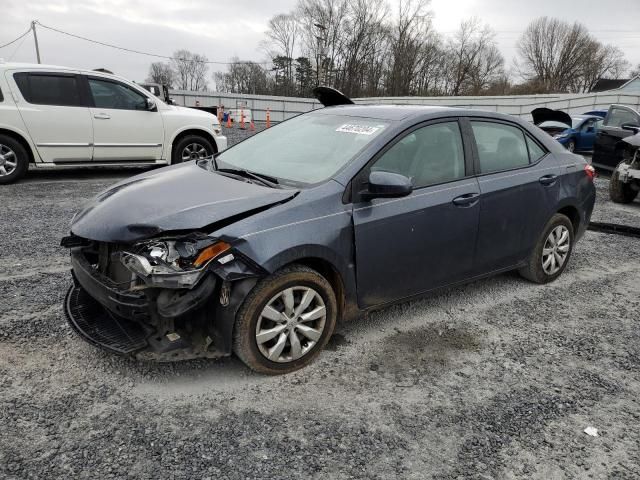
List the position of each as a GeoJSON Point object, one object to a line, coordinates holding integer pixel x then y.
{"type": "Point", "coordinates": [282, 108]}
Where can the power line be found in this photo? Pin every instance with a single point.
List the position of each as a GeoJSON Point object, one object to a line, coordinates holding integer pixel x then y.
{"type": "Point", "coordinates": [130, 50]}
{"type": "Point", "coordinates": [16, 39]}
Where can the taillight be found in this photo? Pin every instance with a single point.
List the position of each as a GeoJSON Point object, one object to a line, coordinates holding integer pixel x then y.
{"type": "Point", "coordinates": [590, 171]}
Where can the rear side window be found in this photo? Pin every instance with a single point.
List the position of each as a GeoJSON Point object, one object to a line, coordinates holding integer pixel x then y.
{"type": "Point", "coordinates": [619, 116]}
{"type": "Point", "coordinates": [115, 95]}
{"type": "Point", "coordinates": [49, 89]}
{"type": "Point", "coordinates": [500, 146]}
{"type": "Point", "coordinates": [536, 152]}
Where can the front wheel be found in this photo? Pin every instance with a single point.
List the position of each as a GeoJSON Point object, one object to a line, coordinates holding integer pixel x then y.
{"type": "Point", "coordinates": [191, 147]}
{"type": "Point", "coordinates": [285, 321]}
{"type": "Point", "coordinates": [552, 251]}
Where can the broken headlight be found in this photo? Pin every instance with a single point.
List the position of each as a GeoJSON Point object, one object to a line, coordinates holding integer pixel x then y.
{"type": "Point", "coordinates": [173, 263]}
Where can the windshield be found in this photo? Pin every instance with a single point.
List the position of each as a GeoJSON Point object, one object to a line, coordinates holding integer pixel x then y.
{"type": "Point", "coordinates": [307, 149]}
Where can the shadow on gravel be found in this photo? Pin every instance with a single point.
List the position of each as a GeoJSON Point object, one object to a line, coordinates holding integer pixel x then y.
{"type": "Point", "coordinates": [428, 349]}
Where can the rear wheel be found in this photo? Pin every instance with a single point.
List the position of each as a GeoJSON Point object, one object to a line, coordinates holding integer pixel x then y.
{"type": "Point", "coordinates": [285, 321]}
{"type": "Point", "coordinates": [14, 160]}
{"type": "Point", "coordinates": [191, 147]}
{"type": "Point", "coordinates": [620, 192]}
{"type": "Point", "coordinates": [552, 251]}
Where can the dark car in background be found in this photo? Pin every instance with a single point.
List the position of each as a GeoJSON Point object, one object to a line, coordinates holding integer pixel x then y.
{"type": "Point", "coordinates": [577, 133]}
{"type": "Point", "coordinates": [261, 249]}
{"type": "Point", "coordinates": [609, 149]}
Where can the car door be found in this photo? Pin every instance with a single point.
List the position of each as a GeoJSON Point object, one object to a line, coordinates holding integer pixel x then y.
{"type": "Point", "coordinates": [405, 246]}
{"type": "Point", "coordinates": [587, 135]}
{"type": "Point", "coordinates": [519, 186]}
{"type": "Point", "coordinates": [124, 127]}
{"type": "Point", "coordinates": [606, 153]}
{"type": "Point", "coordinates": [55, 111]}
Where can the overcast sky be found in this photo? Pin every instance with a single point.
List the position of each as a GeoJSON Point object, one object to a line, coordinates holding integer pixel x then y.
{"type": "Point", "coordinates": [223, 29]}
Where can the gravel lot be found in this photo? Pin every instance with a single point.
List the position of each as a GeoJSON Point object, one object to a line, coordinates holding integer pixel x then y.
{"type": "Point", "coordinates": [497, 379]}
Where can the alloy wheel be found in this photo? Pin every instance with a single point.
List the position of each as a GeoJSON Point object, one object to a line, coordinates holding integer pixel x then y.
{"type": "Point", "coordinates": [194, 151]}
{"type": "Point", "coordinates": [556, 249]}
{"type": "Point", "coordinates": [291, 324]}
{"type": "Point", "coordinates": [8, 161]}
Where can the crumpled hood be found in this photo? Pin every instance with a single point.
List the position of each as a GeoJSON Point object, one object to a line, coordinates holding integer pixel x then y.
{"type": "Point", "coordinates": [182, 197]}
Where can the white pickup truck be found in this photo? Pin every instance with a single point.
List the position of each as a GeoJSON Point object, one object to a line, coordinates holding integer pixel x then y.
{"type": "Point", "coordinates": [54, 117]}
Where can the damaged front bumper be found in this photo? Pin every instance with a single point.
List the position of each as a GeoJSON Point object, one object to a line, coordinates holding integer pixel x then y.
{"type": "Point", "coordinates": [161, 324]}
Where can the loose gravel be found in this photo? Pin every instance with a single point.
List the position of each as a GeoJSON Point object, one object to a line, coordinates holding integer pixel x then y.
{"type": "Point", "coordinates": [496, 379]}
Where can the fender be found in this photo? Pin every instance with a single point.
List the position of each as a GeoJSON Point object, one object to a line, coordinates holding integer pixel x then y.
{"type": "Point", "coordinates": [25, 136]}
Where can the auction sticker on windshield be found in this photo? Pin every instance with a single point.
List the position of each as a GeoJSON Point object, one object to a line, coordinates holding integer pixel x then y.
{"type": "Point", "coordinates": [358, 129]}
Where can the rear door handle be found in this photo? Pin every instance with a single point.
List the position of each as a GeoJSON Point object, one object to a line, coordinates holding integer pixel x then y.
{"type": "Point", "coordinates": [548, 179]}
{"type": "Point", "coordinates": [102, 116]}
{"type": "Point", "coordinates": [466, 200]}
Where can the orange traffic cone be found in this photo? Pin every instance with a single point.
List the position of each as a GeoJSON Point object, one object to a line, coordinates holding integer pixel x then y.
{"type": "Point", "coordinates": [229, 120]}
{"type": "Point", "coordinates": [252, 127]}
{"type": "Point", "coordinates": [268, 117]}
{"type": "Point", "coordinates": [242, 126]}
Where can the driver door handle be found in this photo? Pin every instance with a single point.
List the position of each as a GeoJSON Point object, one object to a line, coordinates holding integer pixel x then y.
{"type": "Point", "coordinates": [102, 116]}
{"type": "Point", "coordinates": [466, 200]}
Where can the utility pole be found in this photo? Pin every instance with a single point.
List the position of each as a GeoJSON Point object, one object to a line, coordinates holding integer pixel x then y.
{"type": "Point", "coordinates": [321, 50]}
{"type": "Point", "coordinates": [35, 37]}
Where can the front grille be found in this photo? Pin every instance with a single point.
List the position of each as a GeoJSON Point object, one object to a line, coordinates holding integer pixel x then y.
{"type": "Point", "coordinates": [100, 327]}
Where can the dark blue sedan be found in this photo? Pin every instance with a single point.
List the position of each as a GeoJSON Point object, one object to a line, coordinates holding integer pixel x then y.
{"type": "Point", "coordinates": [334, 213]}
{"type": "Point", "coordinates": [577, 132]}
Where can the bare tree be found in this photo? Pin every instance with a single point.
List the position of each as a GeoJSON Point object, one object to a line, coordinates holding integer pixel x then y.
{"type": "Point", "coordinates": [160, 72]}
{"type": "Point", "coordinates": [473, 59]}
{"type": "Point", "coordinates": [635, 72]}
{"type": "Point", "coordinates": [553, 52]}
{"type": "Point", "coordinates": [243, 77]}
{"type": "Point", "coordinates": [283, 35]}
{"type": "Point", "coordinates": [603, 61]}
{"type": "Point", "coordinates": [407, 41]}
{"type": "Point", "coordinates": [190, 70]}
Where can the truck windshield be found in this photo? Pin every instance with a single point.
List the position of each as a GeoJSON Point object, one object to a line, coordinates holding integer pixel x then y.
{"type": "Point", "coordinates": [307, 149]}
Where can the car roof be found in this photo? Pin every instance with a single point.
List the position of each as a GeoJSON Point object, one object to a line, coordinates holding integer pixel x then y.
{"type": "Point", "coordinates": [40, 66]}
{"type": "Point", "coordinates": [394, 112]}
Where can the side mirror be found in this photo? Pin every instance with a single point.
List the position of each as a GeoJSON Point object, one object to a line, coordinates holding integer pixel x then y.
{"type": "Point", "coordinates": [630, 126]}
{"type": "Point", "coordinates": [171, 101]}
{"type": "Point", "coordinates": [591, 129]}
{"type": "Point", "coordinates": [151, 105]}
{"type": "Point", "coordinates": [387, 185]}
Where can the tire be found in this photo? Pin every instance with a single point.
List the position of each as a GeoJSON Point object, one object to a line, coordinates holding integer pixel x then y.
{"type": "Point", "coordinates": [620, 192]}
{"type": "Point", "coordinates": [535, 271]}
{"type": "Point", "coordinates": [200, 147]}
{"type": "Point", "coordinates": [269, 292]}
{"type": "Point", "coordinates": [571, 146]}
{"type": "Point", "coordinates": [14, 160]}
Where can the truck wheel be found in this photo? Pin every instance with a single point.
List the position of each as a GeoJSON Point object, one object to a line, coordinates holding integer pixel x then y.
{"type": "Point", "coordinates": [14, 160]}
{"type": "Point", "coordinates": [551, 254]}
{"type": "Point", "coordinates": [285, 321]}
{"type": "Point", "coordinates": [620, 192]}
{"type": "Point", "coordinates": [191, 147]}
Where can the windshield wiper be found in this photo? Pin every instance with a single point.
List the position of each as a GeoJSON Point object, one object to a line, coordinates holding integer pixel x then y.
{"type": "Point", "coordinates": [260, 177]}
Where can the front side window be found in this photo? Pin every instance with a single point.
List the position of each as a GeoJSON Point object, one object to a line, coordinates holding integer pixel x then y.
{"type": "Point", "coordinates": [428, 155]}
{"type": "Point", "coordinates": [620, 116]}
{"type": "Point", "coordinates": [49, 89]}
{"type": "Point", "coordinates": [116, 95]}
{"type": "Point", "coordinates": [500, 146]}
{"type": "Point", "coordinates": [307, 149]}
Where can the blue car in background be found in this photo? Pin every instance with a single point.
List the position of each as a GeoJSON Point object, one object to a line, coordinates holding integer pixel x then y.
{"type": "Point", "coordinates": [577, 133]}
